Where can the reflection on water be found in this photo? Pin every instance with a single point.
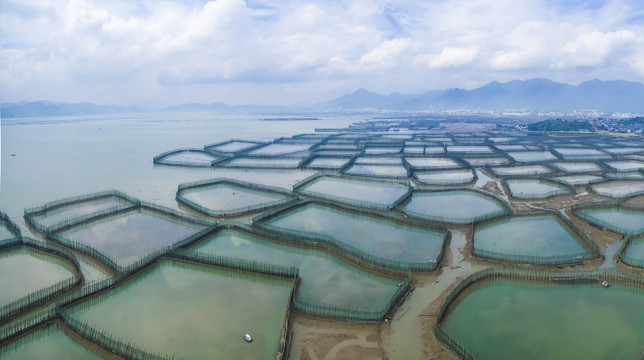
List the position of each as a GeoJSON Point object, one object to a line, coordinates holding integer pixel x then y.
{"type": "Point", "coordinates": [228, 197]}
{"type": "Point", "coordinates": [377, 192]}
{"type": "Point", "coordinates": [128, 237]}
{"type": "Point", "coordinates": [379, 237]}
{"type": "Point", "coordinates": [193, 311]}
{"type": "Point", "coordinates": [24, 270]}
{"type": "Point", "coordinates": [325, 278]}
{"type": "Point", "coordinates": [452, 206]}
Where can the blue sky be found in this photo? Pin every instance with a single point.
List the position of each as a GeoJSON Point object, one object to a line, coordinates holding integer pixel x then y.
{"type": "Point", "coordinates": [288, 52]}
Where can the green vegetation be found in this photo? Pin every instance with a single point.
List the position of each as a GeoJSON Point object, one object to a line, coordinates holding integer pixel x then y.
{"type": "Point", "coordinates": [563, 125]}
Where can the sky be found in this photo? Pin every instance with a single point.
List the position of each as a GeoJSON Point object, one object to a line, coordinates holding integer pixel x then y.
{"type": "Point", "coordinates": [149, 52]}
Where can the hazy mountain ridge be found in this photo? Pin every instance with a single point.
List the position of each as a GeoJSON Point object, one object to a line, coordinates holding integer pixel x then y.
{"type": "Point", "coordinates": [534, 95]}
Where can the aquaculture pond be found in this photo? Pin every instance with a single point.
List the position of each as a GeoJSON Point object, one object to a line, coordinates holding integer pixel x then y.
{"type": "Point", "coordinates": [262, 162]}
{"type": "Point", "coordinates": [438, 177]}
{"type": "Point", "coordinates": [379, 160]}
{"type": "Point", "coordinates": [279, 149]}
{"type": "Point", "coordinates": [574, 167]}
{"type": "Point", "coordinates": [190, 157]}
{"type": "Point", "coordinates": [375, 236]}
{"type": "Point", "coordinates": [519, 238]}
{"type": "Point", "coordinates": [232, 146]}
{"type": "Point", "coordinates": [535, 188]}
{"type": "Point", "coordinates": [379, 193]}
{"type": "Point", "coordinates": [521, 170]}
{"type": "Point", "coordinates": [326, 279]}
{"type": "Point", "coordinates": [581, 179]}
{"type": "Point", "coordinates": [635, 252]}
{"type": "Point", "coordinates": [453, 206]}
{"type": "Point", "coordinates": [572, 153]}
{"type": "Point", "coordinates": [623, 221]}
{"type": "Point", "coordinates": [514, 319]}
{"type": "Point", "coordinates": [432, 162]}
{"type": "Point", "coordinates": [75, 210]}
{"type": "Point", "coordinates": [486, 160]}
{"type": "Point", "coordinates": [625, 165]}
{"type": "Point", "coordinates": [377, 170]}
{"type": "Point", "coordinates": [618, 188]}
{"type": "Point", "coordinates": [128, 237]}
{"type": "Point", "coordinates": [225, 198]}
{"type": "Point", "coordinates": [465, 149]}
{"type": "Point", "coordinates": [5, 233]}
{"type": "Point", "coordinates": [327, 162]}
{"type": "Point", "coordinates": [47, 343]}
{"type": "Point", "coordinates": [24, 270]}
{"type": "Point", "coordinates": [162, 310]}
{"type": "Point", "coordinates": [532, 156]}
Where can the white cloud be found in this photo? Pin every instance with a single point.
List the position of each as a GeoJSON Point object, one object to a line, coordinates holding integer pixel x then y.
{"type": "Point", "coordinates": [452, 57]}
{"type": "Point", "coordinates": [172, 51]}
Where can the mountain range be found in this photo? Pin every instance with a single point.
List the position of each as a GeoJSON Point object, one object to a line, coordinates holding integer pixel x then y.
{"type": "Point", "coordinates": [534, 95]}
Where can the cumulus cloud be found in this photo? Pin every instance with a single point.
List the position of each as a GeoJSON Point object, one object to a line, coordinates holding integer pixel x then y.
{"type": "Point", "coordinates": [239, 51]}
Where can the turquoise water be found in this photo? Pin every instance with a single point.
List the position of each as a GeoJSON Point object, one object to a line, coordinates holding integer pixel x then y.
{"type": "Point", "coordinates": [225, 197]}
{"type": "Point", "coordinates": [527, 188]}
{"type": "Point", "coordinates": [619, 220]}
{"type": "Point", "coordinates": [457, 176]}
{"type": "Point", "coordinates": [455, 206]}
{"type": "Point", "coordinates": [325, 278]}
{"type": "Point", "coordinates": [193, 312]}
{"type": "Point", "coordinates": [636, 250]}
{"type": "Point", "coordinates": [534, 236]}
{"type": "Point", "coordinates": [569, 153]}
{"type": "Point", "coordinates": [375, 236]}
{"type": "Point", "coordinates": [128, 237]}
{"type": "Point", "coordinates": [513, 319]}
{"type": "Point", "coordinates": [23, 271]}
{"type": "Point", "coordinates": [45, 344]}
{"type": "Point", "coordinates": [348, 190]}
{"type": "Point", "coordinates": [71, 211]}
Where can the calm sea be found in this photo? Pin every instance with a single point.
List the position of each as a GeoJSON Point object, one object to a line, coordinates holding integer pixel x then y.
{"type": "Point", "coordinates": [50, 158]}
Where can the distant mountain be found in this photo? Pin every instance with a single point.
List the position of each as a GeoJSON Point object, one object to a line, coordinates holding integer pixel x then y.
{"type": "Point", "coordinates": [537, 95]}
{"type": "Point", "coordinates": [534, 95]}
{"type": "Point", "coordinates": [48, 108]}
{"type": "Point", "coordinates": [362, 99]}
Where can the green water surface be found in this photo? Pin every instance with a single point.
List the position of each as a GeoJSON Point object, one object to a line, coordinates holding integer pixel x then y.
{"type": "Point", "coordinates": [44, 344]}
{"type": "Point", "coordinates": [526, 188]}
{"type": "Point", "coordinates": [620, 220]}
{"type": "Point", "coordinates": [193, 312]}
{"type": "Point", "coordinates": [24, 270]}
{"type": "Point", "coordinates": [71, 211]}
{"type": "Point", "coordinates": [325, 278]}
{"type": "Point", "coordinates": [375, 236]}
{"type": "Point", "coordinates": [542, 235]}
{"type": "Point", "coordinates": [513, 319]}
{"type": "Point", "coordinates": [455, 206]}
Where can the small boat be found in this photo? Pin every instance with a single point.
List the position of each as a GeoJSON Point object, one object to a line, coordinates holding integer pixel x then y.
{"type": "Point", "coordinates": [605, 284]}
{"type": "Point", "coordinates": [248, 338]}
